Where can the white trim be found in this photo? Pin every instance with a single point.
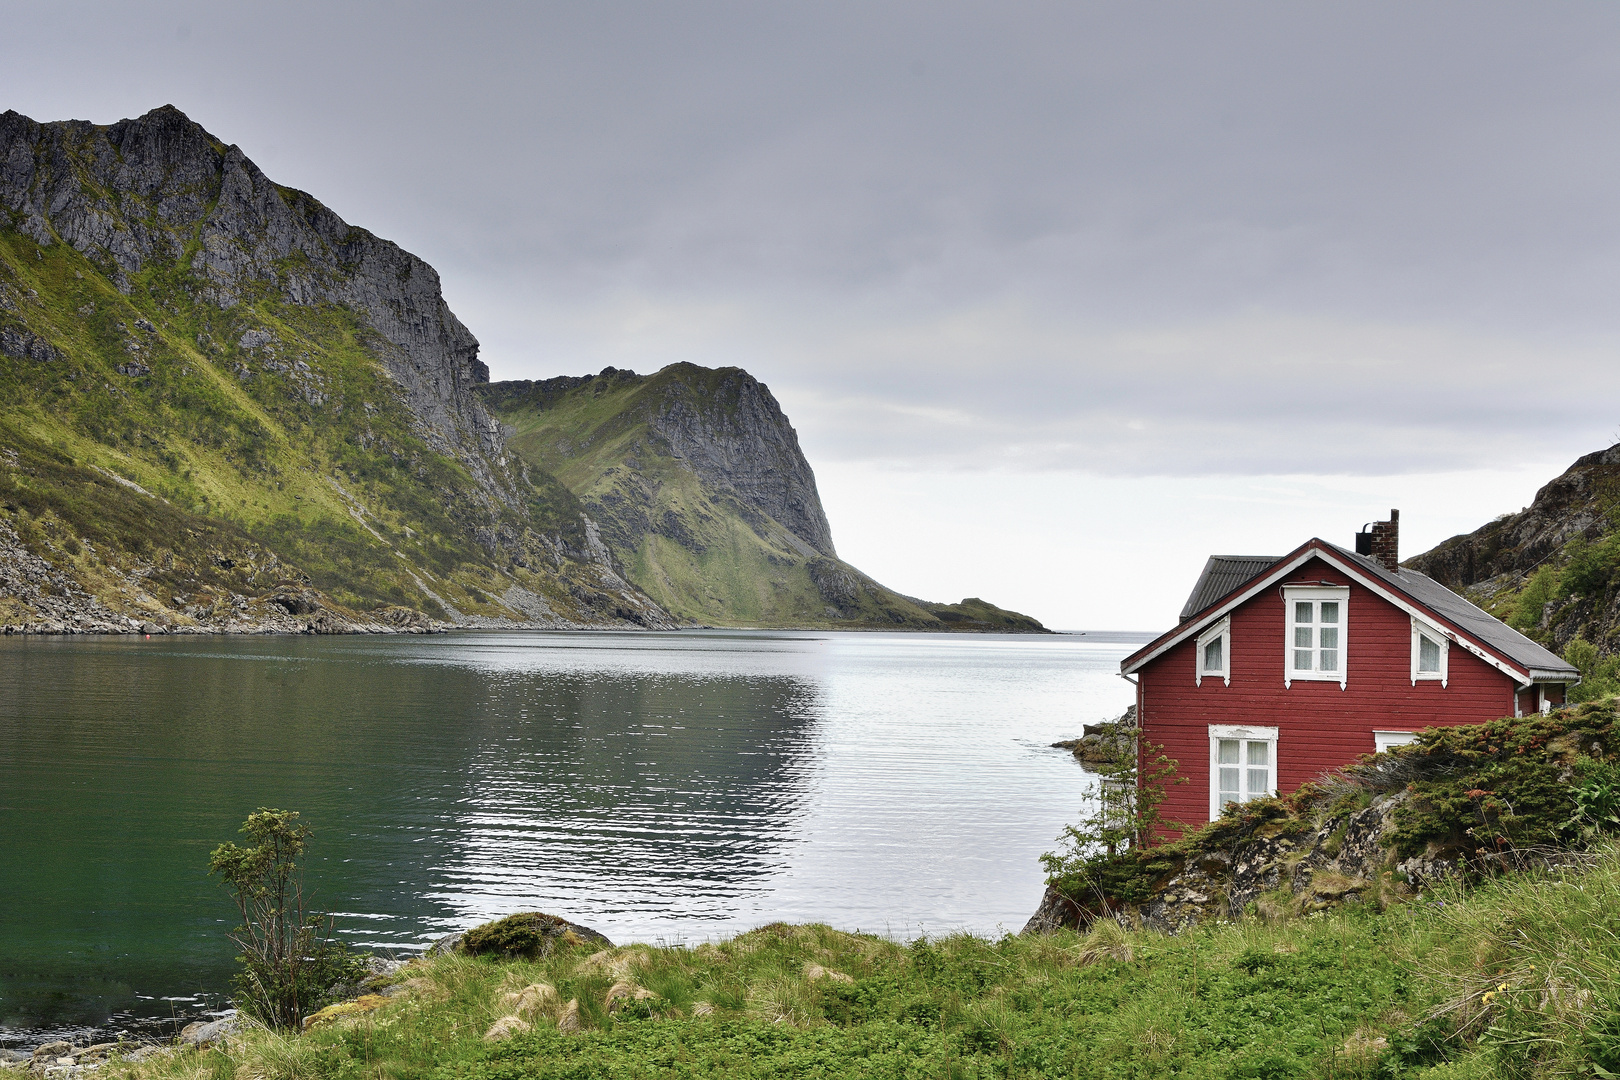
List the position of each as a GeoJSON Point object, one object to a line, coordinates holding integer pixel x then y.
{"type": "Point", "coordinates": [1383, 740]}
{"type": "Point", "coordinates": [1541, 699]}
{"type": "Point", "coordinates": [1316, 596]}
{"type": "Point", "coordinates": [1328, 555]}
{"type": "Point", "coordinates": [1247, 733]}
{"type": "Point", "coordinates": [1222, 631]}
{"type": "Point", "coordinates": [1422, 629]}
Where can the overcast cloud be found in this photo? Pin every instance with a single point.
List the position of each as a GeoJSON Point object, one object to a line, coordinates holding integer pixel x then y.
{"type": "Point", "coordinates": [1097, 241]}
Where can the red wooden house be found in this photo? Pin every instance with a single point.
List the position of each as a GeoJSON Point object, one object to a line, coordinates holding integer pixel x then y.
{"type": "Point", "coordinates": [1283, 668]}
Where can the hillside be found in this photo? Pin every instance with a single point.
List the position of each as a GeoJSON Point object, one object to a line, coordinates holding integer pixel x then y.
{"type": "Point", "coordinates": [701, 490]}
{"type": "Point", "coordinates": [1552, 570]}
{"type": "Point", "coordinates": [223, 406]}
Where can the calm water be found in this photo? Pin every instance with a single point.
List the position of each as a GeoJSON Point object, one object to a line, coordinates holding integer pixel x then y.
{"type": "Point", "coordinates": [657, 787]}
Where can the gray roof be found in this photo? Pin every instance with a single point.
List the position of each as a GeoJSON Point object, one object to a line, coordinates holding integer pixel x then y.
{"type": "Point", "coordinates": [1222, 574]}
{"type": "Point", "coordinates": [1475, 622]}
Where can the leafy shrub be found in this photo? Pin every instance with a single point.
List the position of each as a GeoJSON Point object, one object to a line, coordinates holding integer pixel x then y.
{"type": "Point", "coordinates": [290, 960]}
{"type": "Point", "coordinates": [1542, 587]}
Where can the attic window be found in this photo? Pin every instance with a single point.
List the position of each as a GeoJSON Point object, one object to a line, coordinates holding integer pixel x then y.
{"type": "Point", "coordinates": [1212, 653]}
{"type": "Point", "coordinates": [1317, 622]}
{"type": "Point", "coordinates": [1430, 651]}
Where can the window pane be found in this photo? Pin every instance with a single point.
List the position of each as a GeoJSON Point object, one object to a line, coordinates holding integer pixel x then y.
{"type": "Point", "coordinates": [1230, 783]}
{"type": "Point", "coordinates": [1259, 783]}
{"type": "Point", "coordinates": [1428, 654]}
{"type": "Point", "coordinates": [1228, 754]}
{"type": "Point", "coordinates": [1330, 660]}
{"type": "Point", "coordinates": [1330, 637]}
{"type": "Point", "coordinates": [1330, 611]}
{"type": "Point", "coordinates": [1302, 637]}
{"type": "Point", "coordinates": [1302, 611]}
{"type": "Point", "coordinates": [1259, 753]}
{"type": "Point", "coordinates": [1302, 659]}
{"type": "Point", "coordinates": [1212, 656]}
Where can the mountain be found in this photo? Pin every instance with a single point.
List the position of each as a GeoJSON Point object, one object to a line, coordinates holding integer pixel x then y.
{"type": "Point", "coordinates": [222, 407]}
{"type": "Point", "coordinates": [1553, 568]}
{"type": "Point", "coordinates": [697, 480]}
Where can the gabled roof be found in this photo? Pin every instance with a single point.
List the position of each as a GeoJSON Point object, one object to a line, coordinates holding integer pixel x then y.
{"type": "Point", "coordinates": [1222, 574]}
{"type": "Point", "coordinates": [1476, 630]}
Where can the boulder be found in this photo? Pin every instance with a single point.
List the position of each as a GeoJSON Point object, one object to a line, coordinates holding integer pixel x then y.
{"type": "Point", "coordinates": [208, 1032]}
{"type": "Point", "coordinates": [530, 934]}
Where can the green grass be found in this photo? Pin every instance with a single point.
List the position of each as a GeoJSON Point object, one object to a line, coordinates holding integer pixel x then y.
{"type": "Point", "coordinates": [1227, 1001]}
{"type": "Point", "coordinates": [1516, 977]}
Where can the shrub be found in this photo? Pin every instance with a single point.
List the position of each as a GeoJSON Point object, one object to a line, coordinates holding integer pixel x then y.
{"type": "Point", "coordinates": [290, 960]}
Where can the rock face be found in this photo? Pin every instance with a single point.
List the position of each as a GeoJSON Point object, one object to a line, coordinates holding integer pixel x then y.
{"type": "Point", "coordinates": [724, 426]}
{"type": "Point", "coordinates": [235, 353]}
{"type": "Point", "coordinates": [1573, 505]}
{"type": "Point", "coordinates": [1492, 563]}
{"type": "Point", "coordinates": [705, 498]}
{"type": "Point", "coordinates": [155, 187]}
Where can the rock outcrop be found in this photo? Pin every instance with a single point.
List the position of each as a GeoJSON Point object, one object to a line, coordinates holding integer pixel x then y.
{"type": "Point", "coordinates": [1470, 800]}
{"type": "Point", "coordinates": [705, 497]}
{"type": "Point", "coordinates": [154, 188]}
{"type": "Point", "coordinates": [1493, 563]}
{"type": "Point", "coordinates": [232, 349]}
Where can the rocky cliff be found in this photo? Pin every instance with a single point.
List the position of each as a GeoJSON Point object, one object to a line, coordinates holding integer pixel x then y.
{"type": "Point", "coordinates": [703, 493]}
{"type": "Point", "coordinates": [1567, 536]}
{"type": "Point", "coordinates": [194, 358]}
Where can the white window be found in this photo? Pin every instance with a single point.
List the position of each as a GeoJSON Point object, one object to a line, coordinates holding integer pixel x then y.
{"type": "Point", "coordinates": [1212, 653]}
{"type": "Point", "coordinates": [1242, 765]}
{"type": "Point", "coordinates": [1383, 740]}
{"type": "Point", "coordinates": [1317, 621]}
{"type": "Point", "coordinates": [1430, 652]}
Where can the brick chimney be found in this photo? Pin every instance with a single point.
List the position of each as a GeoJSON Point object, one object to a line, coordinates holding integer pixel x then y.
{"type": "Point", "coordinates": [1382, 540]}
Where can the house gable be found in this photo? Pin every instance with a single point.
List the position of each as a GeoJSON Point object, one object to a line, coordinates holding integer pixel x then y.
{"type": "Point", "coordinates": [1461, 622]}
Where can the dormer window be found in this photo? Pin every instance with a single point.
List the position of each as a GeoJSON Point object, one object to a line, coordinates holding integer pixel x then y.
{"type": "Point", "coordinates": [1317, 621]}
{"type": "Point", "coordinates": [1430, 651]}
{"type": "Point", "coordinates": [1212, 654]}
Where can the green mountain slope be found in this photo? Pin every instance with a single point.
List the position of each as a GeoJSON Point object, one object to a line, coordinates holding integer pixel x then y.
{"type": "Point", "coordinates": [699, 486]}
{"type": "Point", "coordinates": [221, 405]}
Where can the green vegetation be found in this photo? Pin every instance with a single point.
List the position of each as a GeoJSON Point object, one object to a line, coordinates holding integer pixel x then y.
{"type": "Point", "coordinates": [297, 452]}
{"type": "Point", "coordinates": [289, 957]}
{"type": "Point", "coordinates": [1477, 794]}
{"type": "Point", "coordinates": [1516, 977]}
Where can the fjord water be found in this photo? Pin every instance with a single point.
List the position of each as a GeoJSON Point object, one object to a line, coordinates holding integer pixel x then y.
{"type": "Point", "coordinates": [658, 787]}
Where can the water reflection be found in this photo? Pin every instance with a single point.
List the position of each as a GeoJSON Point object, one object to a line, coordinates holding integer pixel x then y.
{"type": "Point", "coordinates": [652, 785]}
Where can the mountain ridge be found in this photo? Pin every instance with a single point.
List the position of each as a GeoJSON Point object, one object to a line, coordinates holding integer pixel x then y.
{"type": "Point", "coordinates": [223, 407]}
{"type": "Point", "coordinates": [698, 478]}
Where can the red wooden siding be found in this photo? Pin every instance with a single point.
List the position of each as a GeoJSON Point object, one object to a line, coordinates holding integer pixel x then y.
{"type": "Point", "coordinates": [1321, 727]}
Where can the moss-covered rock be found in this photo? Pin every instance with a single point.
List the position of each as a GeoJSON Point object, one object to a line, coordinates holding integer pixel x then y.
{"type": "Point", "coordinates": [528, 934]}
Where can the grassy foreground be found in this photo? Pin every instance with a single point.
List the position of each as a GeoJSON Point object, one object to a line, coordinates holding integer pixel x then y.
{"type": "Point", "coordinates": [1519, 977]}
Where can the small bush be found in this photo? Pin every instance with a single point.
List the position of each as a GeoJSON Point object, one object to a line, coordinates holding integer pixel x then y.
{"type": "Point", "coordinates": [290, 960]}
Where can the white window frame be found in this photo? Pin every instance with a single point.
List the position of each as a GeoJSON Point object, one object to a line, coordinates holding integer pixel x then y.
{"type": "Point", "coordinates": [1248, 733]}
{"type": "Point", "coordinates": [1421, 629]}
{"type": "Point", "coordinates": [1223, 631]}
{"type": "Point", "coordinates": [1383, 740]}
{"type": "Point", "coordinates": [1315, 594]}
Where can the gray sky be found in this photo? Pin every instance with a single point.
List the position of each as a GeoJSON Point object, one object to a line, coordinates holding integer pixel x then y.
{"type": "Point", "coordinates": [1041, 285]}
